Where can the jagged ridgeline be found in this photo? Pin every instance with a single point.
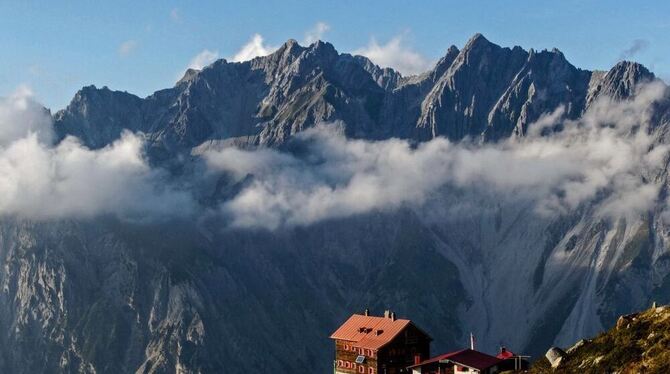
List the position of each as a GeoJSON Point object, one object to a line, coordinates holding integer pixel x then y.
{"type": "Point", "coordinates": [108, 295]}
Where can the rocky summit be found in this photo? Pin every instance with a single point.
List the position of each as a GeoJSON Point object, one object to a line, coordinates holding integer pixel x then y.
{"type": "Point", "coordinates": [192, 295]}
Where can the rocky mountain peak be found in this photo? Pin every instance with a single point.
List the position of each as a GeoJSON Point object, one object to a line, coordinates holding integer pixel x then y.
{"type": "Point", "coordinates": [323, 51]}
{"type": "Point", "coordinates": [476, 40]}
{"type": "Point", "coordinates": [291, 48]}
{"type": "Point", "coordinates": [387, 78]}
{"type": "Point", "coordinates": [483, 91]}
{"type": "Point", "coordinates": [625, 75]}
{"type": "Point", "coordinates": [478, 45]}
{"type": "Point", "coordinates": [189, 74]}
{"type": "Point", "coordinates": [445, 62]}
{"type": "Point", "coordinates": [621, 81]}
{"type": "Point", "coordinates": [98, 115]}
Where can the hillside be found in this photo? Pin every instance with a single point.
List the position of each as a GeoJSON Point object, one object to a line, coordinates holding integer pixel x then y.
{"type": "Point", "coordinates": [640, 343]}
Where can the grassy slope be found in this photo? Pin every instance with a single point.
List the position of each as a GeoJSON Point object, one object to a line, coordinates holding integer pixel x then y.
{"type": "Point", "coordinates": [640, 345]}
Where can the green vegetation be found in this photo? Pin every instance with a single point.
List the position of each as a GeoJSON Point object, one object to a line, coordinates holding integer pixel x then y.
{"type": "Point", "coordinates": [640, 343]}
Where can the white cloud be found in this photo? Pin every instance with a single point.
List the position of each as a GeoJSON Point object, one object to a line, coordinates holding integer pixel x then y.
{"type": "Point", "coordinates": [71, 180]}
{"type": "Point", "coordinates": [606, 156]}
{"type": "Point", "coordinates": [636, 47]}
{"type": "Point", "coordinates": [199, 61]}
{"type": "Point", "coordinates": [255, 47]}
{"type": "Point", "coordinates": [395, 54]}
{"type": "Point", "coordinates": [610, 157]}
{"type": "Point", "coordinates": [42, 181]}
{"type": "Point", "coordinates": [127, 47]}
{"type": "Point", "coordinates": [20, 116]}
{"type": "Point", "coordinates": [203, 59]}
{"type": "Point", "coordinates": [316, 33]}
{"type": "Point", "coordinates": [175, 15]}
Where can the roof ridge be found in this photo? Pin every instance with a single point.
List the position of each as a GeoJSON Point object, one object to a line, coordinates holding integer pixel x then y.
{"type": "Point", "coordinates": [378, 331]}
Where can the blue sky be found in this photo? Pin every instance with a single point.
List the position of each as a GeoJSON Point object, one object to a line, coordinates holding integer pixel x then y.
{"type": "Point", "coordinates": [141, 47]}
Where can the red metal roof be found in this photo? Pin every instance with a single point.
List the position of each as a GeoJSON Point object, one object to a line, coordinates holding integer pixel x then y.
{"type": "Point", "coordinates": [438, 358]}
{"type": "Point", "coordinates": [369, 331]}
{"type": "Point", "coordinates": [505, 354]}
{"type": "Point", "coordinates": [465, 357]}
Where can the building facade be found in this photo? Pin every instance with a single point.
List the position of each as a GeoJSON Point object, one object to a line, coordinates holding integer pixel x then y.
{"type": "Point", "coordinates": [378, 345]}
{"type": "Point", "coordinates": [465, 361]}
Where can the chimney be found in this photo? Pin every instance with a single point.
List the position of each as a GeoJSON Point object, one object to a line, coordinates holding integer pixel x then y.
{"type": "Point", "coordinates": [472, 341]}
{"type": "Point", "coordinates": [417, 359]}
{"type": "Point", "coordinates": [367, 311]}
{"type": "Point", "coordinates": [387, 314]}
{"type": "Point", "coordinates": [392, 316]}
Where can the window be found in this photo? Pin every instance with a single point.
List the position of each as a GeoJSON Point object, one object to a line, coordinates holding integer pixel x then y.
{"type": "Point", "coordinates": [340, 363]}
{"type": "Point", "coordinates": [361, 369]}
{"type": "Point", "coordinates": [347, 364]}
{"type": "Point", "coordinates": [360, 359]}
{"type": "Point", "coordinates": [371, 370]}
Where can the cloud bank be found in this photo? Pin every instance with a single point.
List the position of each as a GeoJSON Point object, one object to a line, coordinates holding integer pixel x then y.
{"type": "Point", "coordinates": [611, 158]}
{"type": "Point", "coordinates": [21, 115]}
{"type": "Point", "coordinates": [316, 33]}
{"type": "Point", "coordinates": [255, 47]}
{"type": "Point", "coordinates": [41, 181]}
{"type": "Point", "coordinates": [608, 155]}
{"type": "Point", "coordinates": [397, 54]}
{"type": "Point", "coordinates": [175, 15]}
{"type": "Point", "coordinates": [203, 59]}
{"type": "Point", "coordinates": [127, 47]}
{"type": "Point", "coordinates": [637, 46]}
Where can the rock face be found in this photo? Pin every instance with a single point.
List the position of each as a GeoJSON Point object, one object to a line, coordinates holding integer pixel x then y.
{"type": "Point", "coordinates": [483, 91]}
{"type": "Point", "coordinates": [98, 116]}
{"type": "Point", "coordinates": [110, 297]}
{"type": "Point", "coordinates": [555, 355]}
{"type": "Point", "coordinates": [107, 296]}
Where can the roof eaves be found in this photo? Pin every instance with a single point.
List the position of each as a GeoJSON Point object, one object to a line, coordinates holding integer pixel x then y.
{"type": "Point", "coordinates": [446, 361]}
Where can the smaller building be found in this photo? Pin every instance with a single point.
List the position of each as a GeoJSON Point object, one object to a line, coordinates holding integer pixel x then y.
{"type": "Point", "coordinates": [512, 361]}
{"type": "Point", "coordinates": [465, 361]}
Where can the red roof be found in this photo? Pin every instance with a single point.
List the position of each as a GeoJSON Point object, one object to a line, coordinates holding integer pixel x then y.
{"type": "Point", "coordinates": [438, 358]}
{"type": "Point", "coordinates": [369, 331]}
{"type": "Point", "coordinates": [465, 357]}
{"type": "Point", "coordinates": [505, 354]}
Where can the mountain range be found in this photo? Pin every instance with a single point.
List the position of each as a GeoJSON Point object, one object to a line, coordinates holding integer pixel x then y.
{"type": "Point", "coordinates": [193, 294]}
